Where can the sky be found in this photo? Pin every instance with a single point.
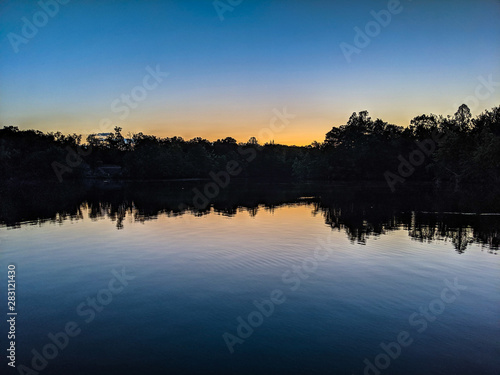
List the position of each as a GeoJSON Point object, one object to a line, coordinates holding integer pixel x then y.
{"type": "Point", "coordinates": [282, 70]}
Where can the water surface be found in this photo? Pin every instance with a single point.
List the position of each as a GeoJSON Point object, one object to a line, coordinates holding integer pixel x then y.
{"type": "Point", "coordinates": [352, 266]}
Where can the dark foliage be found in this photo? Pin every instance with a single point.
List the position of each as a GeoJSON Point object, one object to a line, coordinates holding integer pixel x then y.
{"type": "Point", "coordinates": [361, 210]}
{"type": "Point", "coordinates": [456, 148]}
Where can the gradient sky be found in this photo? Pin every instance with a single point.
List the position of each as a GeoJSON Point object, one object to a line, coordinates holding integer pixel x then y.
{"type": "Point", "coordinates": [227, 76]}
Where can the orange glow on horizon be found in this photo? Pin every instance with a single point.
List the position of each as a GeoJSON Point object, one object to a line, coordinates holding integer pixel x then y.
{"type": "Point", "coordinates": [300, 131]}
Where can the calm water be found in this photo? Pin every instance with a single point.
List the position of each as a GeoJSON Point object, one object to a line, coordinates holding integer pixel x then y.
{"type": "Point", "coordinates": [349, 269]}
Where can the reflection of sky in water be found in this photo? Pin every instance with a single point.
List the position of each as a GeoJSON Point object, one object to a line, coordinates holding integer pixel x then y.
{"type": "Point", "coordinates": [196, 275]}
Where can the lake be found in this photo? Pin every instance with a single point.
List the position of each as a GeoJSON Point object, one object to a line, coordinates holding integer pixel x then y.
{"type": "Point", "coordinates": [139, 278]}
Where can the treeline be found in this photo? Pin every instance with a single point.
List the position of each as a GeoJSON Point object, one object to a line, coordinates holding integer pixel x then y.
{"type": "Point", "coordinates": [456, 148]}
{"type": "Point", "coordinates": [362, 211]}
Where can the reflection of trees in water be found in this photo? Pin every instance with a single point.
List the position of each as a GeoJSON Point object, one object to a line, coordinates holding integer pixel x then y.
{"type": "Point", "coordinates": [359, 212]}
{"type": "Point", "coordinates": [114, 212]}
{"type": "Point", "coordinates": [459, 229]}
{"type": "Point", "coordinates": [252, 211]}
{"type": "Point", "coordinates": [359, 225]}
{"type": "Point", "coordinates": [460, 237]}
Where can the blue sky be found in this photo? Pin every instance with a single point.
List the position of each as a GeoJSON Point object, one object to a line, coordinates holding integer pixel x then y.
{"type": "Point", "coordinates": [227, 76]}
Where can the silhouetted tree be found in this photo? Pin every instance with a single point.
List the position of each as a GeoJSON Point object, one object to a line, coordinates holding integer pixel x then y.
{"type": "Point", "coordinates": [464, 149]}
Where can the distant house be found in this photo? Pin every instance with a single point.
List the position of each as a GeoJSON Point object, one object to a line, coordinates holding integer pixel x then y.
{"type": "Point", "coordinates": [108, 170]}
{"type": "Point", "coordinates": [102, 136]}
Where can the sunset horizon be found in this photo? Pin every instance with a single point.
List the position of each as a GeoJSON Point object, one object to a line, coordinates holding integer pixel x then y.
{"type": "Point", "coordinates": [250, 187]}
{"type": "Point", "coordinates": [213, 73]}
